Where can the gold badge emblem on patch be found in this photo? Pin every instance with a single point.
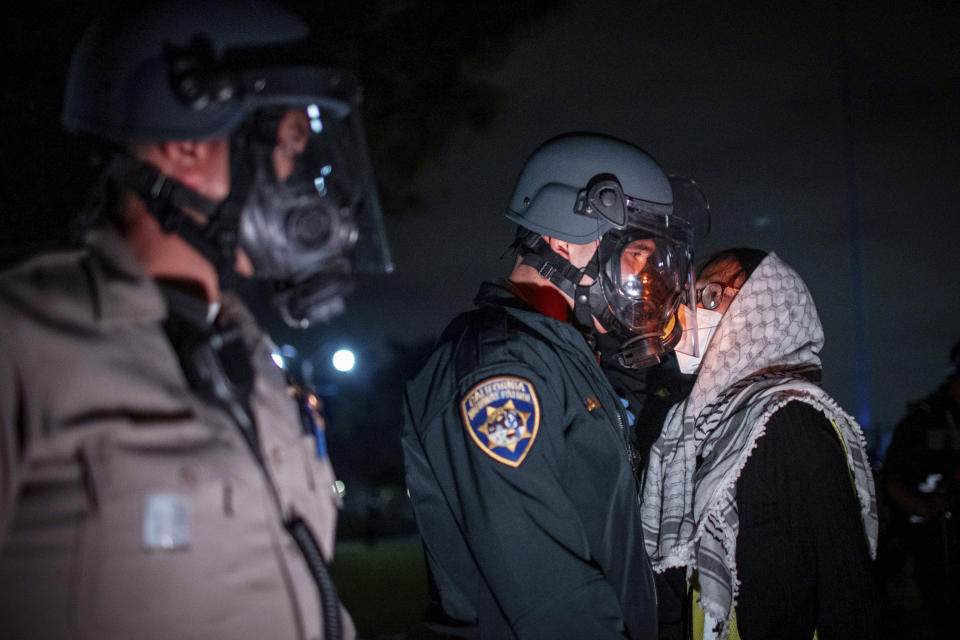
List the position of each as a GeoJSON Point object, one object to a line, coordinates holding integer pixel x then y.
{"type": "Point", "coordinates": [502, 415]}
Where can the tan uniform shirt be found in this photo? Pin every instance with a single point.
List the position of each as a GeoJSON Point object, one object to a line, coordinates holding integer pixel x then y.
{"type": "Point", "coordinates": [129, 508]}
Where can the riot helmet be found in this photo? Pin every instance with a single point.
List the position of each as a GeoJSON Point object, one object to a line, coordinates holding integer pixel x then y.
{"type": "Point", "coordinates": [303, 203]}
{"type": "Point", "coordinates": [587, 187]}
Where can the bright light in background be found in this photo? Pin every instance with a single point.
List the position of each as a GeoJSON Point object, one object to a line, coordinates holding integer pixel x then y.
{"type": "Point", "coordinates": [285, 354]}
{"type": "Point", "coordinates": [344, 360]}
{"type": "Point", "coordinates": [313, 112]}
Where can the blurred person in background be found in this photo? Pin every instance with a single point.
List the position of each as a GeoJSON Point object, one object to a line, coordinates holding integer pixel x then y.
{"type": "Point", "coordinates": [160, 476]}
{"type": "Point", "coordinates": [921, 475]}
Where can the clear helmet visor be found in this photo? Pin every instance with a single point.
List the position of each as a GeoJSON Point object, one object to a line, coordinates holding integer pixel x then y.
{"type": "Point", "coordinates": [312, 205]}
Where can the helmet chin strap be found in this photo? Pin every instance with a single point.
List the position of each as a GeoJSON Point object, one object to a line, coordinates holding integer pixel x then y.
{"type": "Point", "coordinates": [567, 278]}
{"type": "Point", "coordinates": [167, 200]}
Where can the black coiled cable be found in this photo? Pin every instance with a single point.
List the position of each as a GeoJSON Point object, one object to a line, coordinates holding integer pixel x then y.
{"type": "Point", "coordinates": [329, 602]}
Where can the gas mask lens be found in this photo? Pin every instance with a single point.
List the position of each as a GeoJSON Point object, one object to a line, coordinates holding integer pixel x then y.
{"type": "Point", "coordinates": [645, 275]}
{"type": "Point", "coordinates": [636, 282]}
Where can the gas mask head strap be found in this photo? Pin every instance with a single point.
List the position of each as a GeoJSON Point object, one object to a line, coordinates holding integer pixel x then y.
{"type": "Point", "coordinates": [166, 199]}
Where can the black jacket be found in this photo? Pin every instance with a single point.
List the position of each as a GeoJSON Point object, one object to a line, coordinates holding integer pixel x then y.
{"type": "Point", "coordinates": [926, 442]}
{"type": "Point", "coordinates": [802, 558]}
{"type": "Point", "coordinates": [539, 537]}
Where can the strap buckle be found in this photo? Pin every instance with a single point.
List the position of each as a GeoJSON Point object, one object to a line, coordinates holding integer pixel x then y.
{"type": "Point", "coordinates": [546, 270]}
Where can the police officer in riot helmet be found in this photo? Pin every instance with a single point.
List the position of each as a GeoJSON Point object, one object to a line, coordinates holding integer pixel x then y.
{"type": "Point", "coordinates": [639, 278]}
{"type": "Point", "coordinates": [641, 274]}
{"type": "Point", "coordinates": [515, 445]}
{"type": "Point", "coordinates": [301, 198]}
{"type": "Point", "coordinates": [157, 476]}
{"type": "Point", "coordinates": [644, 261]}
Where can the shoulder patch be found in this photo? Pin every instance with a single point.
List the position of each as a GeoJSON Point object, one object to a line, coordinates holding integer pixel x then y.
{"type": "Point", "coordinates": [502, 415]}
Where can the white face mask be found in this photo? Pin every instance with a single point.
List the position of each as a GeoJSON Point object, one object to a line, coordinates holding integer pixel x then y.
{"type": "Point", "coordinates": [707, 321]}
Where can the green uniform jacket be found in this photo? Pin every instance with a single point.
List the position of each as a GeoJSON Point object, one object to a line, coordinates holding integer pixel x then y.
{"type": "Point", "coordinates": [538, 537]}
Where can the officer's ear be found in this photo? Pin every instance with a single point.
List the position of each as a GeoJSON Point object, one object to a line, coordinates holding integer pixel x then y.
{"type": "Point", "coordinates": [559, 247]}
{"type": "Point", "coordinates": [204, 166]}
{"type": "Point", "coordinates": [579, 255]}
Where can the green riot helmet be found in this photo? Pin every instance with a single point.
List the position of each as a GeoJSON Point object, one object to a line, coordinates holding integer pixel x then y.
{"type": "Point", "coordinates": [303, 204]}
{"type": "Point", "coordinates": [586, 187]}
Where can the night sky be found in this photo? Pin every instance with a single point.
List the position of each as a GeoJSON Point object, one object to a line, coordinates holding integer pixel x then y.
{"type": "Point", "coordinates": [747, 98]}
{"type": "Point", "coordinates": [804, 146]}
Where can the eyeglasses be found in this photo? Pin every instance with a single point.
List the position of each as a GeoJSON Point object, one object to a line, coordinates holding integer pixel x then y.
{"type": "Point", "coordinates": [711, 295]}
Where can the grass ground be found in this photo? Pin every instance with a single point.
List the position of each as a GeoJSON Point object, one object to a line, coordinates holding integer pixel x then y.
{"type": "Point", "coordinates": [383, 586]}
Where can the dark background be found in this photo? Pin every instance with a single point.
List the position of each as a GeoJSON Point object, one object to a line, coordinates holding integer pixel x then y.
{"type": "Point", "coordinates": [825, 131]}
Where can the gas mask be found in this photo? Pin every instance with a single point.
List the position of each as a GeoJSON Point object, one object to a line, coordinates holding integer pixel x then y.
{"type": "Point", "coordinates": [303, 205]}
{"type": "Point", "coordinates": [311, 218]}
{"type": "Point", "coordinates": [697, 333]}
{"type": "Point", "coordinates": [645, 272]}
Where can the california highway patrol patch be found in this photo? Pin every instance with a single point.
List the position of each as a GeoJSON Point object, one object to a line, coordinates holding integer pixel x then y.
{"type": "Point", "coordinates": [502, 415]}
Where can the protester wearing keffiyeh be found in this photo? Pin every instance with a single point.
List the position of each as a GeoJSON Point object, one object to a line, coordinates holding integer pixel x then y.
{"type": "Point", "coordinates": [763, 355]}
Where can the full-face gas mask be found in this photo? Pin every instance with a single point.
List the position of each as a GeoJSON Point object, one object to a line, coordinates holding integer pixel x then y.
{"type": "Point", "coordinates": [311, 218]}
{"type": "Point", "coordinates": [645, 270]}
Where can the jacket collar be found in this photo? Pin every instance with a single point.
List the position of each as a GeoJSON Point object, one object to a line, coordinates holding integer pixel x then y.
{"type": "Point", "coordinates": [502, 294]}
{"type": "Point", "coordinates": [122, 290]}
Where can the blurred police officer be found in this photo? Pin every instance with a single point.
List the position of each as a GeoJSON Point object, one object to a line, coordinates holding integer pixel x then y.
{"type": "Point", "coordinates": [516, 448]}
{"type": "Point", "coordinates": [922, 477]}
{"type": "Point", "coordinates": [157, 477]}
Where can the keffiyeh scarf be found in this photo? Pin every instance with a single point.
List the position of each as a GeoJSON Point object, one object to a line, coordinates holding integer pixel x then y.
{"type": "Point", "coordinates": [762, 356]}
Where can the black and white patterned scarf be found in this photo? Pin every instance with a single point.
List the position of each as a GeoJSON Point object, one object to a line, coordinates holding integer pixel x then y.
{"type": "Point", "coordinates": [761, 357]}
